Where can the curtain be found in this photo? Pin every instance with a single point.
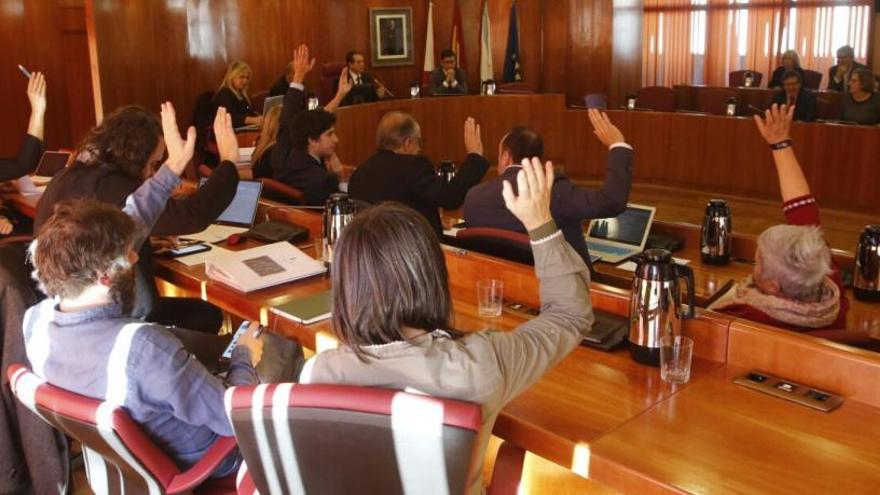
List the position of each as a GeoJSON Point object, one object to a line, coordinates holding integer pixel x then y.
{"type": "Point", "coordinates": [702, 41]}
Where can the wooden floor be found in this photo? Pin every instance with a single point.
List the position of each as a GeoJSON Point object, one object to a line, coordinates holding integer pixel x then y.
{"type": "Point", "coordinates": [750, 216]}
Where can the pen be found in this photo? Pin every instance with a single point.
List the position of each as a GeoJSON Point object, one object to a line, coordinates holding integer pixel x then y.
{"type": "Point", "coordinates": [24, 71]}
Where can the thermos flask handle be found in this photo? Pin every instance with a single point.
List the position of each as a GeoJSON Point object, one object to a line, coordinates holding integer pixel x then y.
{"type": "Point", "coordinates": [687, 273]}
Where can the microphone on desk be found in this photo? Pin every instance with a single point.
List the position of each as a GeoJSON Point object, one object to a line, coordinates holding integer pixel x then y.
{"type": "Point", "coordinates": [386, 87]}
{"type": "Point", "coordinates": [755, 109]}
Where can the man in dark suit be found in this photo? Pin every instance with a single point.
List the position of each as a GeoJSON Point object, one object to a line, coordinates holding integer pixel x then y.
{"type": "Point", "coordinates": [838, 75]}
{"type": "Point", "coordinates": [397, 172]}
{"type": "Point", "coordinates": [304, 155]}
{"type": "Point", "coordinates": [793, 93]}
{"type": "Point", "coordinates": [365, 88]}
{"type": "Point", "coordinates": [448, 79]}
{"type": "Point", "coordinates": [570, 204]}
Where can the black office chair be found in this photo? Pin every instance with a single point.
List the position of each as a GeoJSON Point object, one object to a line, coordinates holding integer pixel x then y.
{"type": "Point", "coordinates": [507, 244]}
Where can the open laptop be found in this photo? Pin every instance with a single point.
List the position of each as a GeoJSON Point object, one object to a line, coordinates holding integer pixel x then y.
{"type": "Point", "coordinates": [618, 238]}
{"type": "Point", "coordinates": [238, 217]}
{"type": "Point", "coordinates": [272, 101]}
{"type": "Point", "coordinates": [51, 163]}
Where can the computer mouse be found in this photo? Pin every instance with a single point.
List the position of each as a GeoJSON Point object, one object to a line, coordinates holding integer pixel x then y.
{"type": "Point", "coordinates": [235, 239]}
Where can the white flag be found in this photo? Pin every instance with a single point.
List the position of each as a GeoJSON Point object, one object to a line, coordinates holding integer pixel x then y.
{"type": "Point", "coordinates": [429, 46]}
{"type": "Point", "coordinates": [486, 69]}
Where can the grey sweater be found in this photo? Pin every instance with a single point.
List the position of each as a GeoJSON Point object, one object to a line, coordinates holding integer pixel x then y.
{"type": "Point", "coordinates": [487, 368]}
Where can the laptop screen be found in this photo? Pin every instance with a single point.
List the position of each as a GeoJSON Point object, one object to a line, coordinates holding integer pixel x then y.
{"type": "Point", "coordinates": [628, 228]}
{"type": "Point", "coordinates": [243, 208]}
{"type": "Point", "coordinates": [52, 162]}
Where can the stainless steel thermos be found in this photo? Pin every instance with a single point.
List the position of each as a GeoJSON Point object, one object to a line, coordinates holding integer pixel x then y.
{"type": "Point", "coordinates": [866, 279]}
{"type": "Point", "coordinates": [339, 210]}
{"type": "Point", "coordinates": [715, 236]}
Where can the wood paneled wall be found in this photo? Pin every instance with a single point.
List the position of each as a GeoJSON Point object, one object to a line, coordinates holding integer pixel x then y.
{"type": "Point", "coordinates": [177, 49]}
{"type": "Point", "coordinates": [47, 36]}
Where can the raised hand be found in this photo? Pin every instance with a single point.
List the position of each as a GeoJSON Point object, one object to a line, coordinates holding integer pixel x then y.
{"type": "Point", "coordinates": [345, 84]}
{"type": "Point", "coordinates": [776, 124]}
{"type": "Point", "coordinates": [473, 140]}
{"type": "Point", "coordinates": [607, 133]}
{"type": "Point", "coordinates": [180, 151]}
{"type": "Point", "coordinates": [227, 143]}
{"type": "Point", "coordinates": [5, 226]}
{"type": "Point", "coordinates": [531, 203]}
{"type": "Point", "coordinates": [36, 92]}
{"type": "Point", "coordinates": [302, 64]}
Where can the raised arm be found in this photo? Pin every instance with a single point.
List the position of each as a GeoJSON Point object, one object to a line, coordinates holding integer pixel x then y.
{"type": "Point", "coordinates": [536, 346]}
{"type": "Point", "coordinates": [435, 190]}
{"type": "Point", "coordinates": [36, 92]}
{"type": "Point", "coordinates": [775, 127]}
{"type": "Point", "coordinates": [146, 204]}
{"type": "Point", "coordinates": [342, 90]}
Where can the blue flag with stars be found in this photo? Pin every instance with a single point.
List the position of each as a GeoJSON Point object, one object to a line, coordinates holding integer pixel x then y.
{"type": "Point", "coordinates": [512, 69]}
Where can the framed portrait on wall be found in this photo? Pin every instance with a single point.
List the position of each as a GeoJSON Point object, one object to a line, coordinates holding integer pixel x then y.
{"type": "Point", "coordinates": [391, 36]}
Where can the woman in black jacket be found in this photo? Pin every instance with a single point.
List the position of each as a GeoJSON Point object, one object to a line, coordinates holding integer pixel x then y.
{"type": "Point", "coordinates": [233, 95]}
{"type": "Point", "coordinates": [31, 149]}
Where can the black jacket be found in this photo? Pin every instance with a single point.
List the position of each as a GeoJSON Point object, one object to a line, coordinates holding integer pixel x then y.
{"type": "Point", "coordinates": [570, 204]}
{"type": "Point", "coordinates": [296, 167]}
{"type": "Point", "coordinates": [412, 180]}
{"type": "Point", "coordinates": [26, 162]}
{"type": "Point", "coordinates": [280, 87]}
{"type": "Point", "coordinates": [805, 106]}
{"type": "Point", "coordinates": [238, 109]}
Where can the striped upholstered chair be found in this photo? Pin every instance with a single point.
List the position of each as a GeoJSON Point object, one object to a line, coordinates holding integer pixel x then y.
{"type": "Point", "coordinates": [337, 439]}
{"type": "Point", "coordinates": [119, 456]}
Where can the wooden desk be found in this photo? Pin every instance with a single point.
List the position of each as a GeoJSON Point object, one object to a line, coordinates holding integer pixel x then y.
{"type": "Point", "coordinates": [603, 416]}
{"type": "Point", "coordinates": [686, 98]}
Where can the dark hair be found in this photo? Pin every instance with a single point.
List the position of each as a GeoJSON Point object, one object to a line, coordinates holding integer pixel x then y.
{"type": "Point", "coordinates": [447, 53]}
{"type": "Point", "coordinates": [388, 272]}
{"type": "Point", "coordinates": [310, 124]}
{"type": "Point", "coordinates": [82, 240]}
{"type": "Point", "coordinates": [522, 142]}
{"type": "Point", "coordinates": [349, 57]}
{"type": "Point", "coordinates": [792, 74]}
{"type": "Point", "coordinates": [866, 77]}
{"type": "Point", "coordinates": [123, 141]}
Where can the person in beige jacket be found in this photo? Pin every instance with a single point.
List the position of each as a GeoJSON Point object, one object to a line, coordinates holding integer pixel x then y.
{"type": "Point", "coordinates": [391, 311]}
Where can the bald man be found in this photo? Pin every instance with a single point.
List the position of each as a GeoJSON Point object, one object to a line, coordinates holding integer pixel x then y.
{"type": "Point", "coordinates": [398, 172]}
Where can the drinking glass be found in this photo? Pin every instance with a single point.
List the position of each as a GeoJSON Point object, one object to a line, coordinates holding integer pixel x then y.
{"type": "Point", "coordinates": [490, 293]}
{"type": "Point", "coordinates": [676, 352]}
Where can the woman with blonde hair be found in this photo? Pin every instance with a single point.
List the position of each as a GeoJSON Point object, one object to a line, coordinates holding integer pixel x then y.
{"type": "Point", "coordinates": [262, 158]}
{"type": "Point", "coordinates": [790, 61]}
{"type": "Point", "coordinates": [232, 95]}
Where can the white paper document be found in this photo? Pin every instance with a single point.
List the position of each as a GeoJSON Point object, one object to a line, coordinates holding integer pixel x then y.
{"type": "Point", "coordinates": [216, 233]}
{"type": "Point", "coordinates": [261, 267]}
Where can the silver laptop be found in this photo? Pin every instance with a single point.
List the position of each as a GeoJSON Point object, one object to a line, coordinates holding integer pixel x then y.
{"type": "Point", "coordinates": [272, 101]}
{"type": "Point", "coordinates": [238, 217]}
{"type": "Point", "coordinates": [618, 238]}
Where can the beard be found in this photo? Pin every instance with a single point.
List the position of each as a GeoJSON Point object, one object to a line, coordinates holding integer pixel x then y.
{"type": "Point", "coordinates": [122, 289]}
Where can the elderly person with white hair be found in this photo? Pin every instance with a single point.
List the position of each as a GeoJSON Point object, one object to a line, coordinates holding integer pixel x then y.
{"type": "Point", "coordinates": [839, 75]}
{"type": "Point", "coordinates": [794, 284]}
{"type": "Point", "coordinates": [791, 61]}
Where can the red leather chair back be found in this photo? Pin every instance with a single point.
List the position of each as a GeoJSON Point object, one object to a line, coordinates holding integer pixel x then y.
{"type": "Point", "coordinates": [737, 78]}
{"type": "Point", "coordinates": [516, 88]}
{"type": "Point", "coordinates": [658, 98]}
{"type": "Point", "coordinates": [119, 456]}
{"type": "Point", "coordinates": [329, 72]}
{"type": "Point", "coordinates": [337, 439]}
{"type": "Point", "coordinates": [507, 244]}
{"type": "Point", "coordinates": [278, 191]}
{"type": "Point", "coordinates": [714, 100]}
{"type": "Point", "coordinates": [812, 79]}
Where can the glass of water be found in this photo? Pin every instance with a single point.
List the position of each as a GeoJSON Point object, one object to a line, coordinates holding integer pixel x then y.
{"type": "Point", "coordinates": [676, 352]}
{"type": "Point", "coordinates": [490, 293]}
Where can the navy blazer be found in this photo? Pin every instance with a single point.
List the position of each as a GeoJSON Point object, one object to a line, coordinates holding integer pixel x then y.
{"type": "Point", "coordinates": [412, 180]}
{"type": "Point", "coordinates": [570, 204]}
